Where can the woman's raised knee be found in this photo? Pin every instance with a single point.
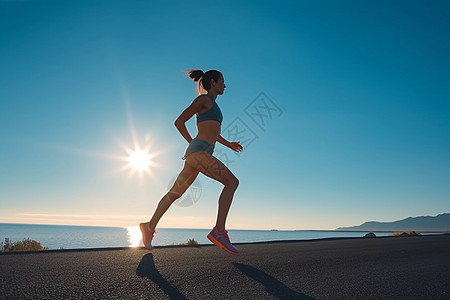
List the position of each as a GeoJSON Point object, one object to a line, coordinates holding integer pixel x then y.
{"type": "Point", "coordinates": [232, 182]}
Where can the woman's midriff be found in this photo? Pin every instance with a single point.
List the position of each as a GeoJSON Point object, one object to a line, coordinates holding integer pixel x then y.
{"type": "Point", "coordinates": [208, 131]}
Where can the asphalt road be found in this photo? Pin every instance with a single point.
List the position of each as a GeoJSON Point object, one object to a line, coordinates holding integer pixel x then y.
{"type": "Point", "coordinates": [378, 268]}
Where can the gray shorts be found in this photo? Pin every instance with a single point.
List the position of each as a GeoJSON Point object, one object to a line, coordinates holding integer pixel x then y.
{"type": "Point", "coordinates": [197, 145]}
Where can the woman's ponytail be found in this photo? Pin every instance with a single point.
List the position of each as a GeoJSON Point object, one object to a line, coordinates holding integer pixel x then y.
{"type": "Point", "coordinates": [195, 75]}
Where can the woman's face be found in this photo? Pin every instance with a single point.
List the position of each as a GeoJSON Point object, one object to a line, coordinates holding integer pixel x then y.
{"type": "Point", "coordinates": [219, 85]}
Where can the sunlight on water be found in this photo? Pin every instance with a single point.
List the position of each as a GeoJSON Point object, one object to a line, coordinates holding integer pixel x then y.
{"type": "Point", "coordinates": [134, 236]}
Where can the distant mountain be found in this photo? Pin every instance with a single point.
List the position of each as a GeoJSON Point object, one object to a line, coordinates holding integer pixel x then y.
{"type": "Point", "coordinates": [426, 223]}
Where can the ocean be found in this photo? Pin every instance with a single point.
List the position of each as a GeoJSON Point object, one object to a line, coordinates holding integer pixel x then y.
{"type": "Point", "coordinates": [80, 237]}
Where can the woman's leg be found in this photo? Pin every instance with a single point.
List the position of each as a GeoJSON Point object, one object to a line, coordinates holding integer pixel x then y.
{"type": "Point", "coordinates": [215, 169]}
{"type": "Point", "coordinates": [181, 184]}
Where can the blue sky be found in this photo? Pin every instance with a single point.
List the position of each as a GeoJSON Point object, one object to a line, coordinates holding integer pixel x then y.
{"type": "Point", "coordinates": [359, 130]}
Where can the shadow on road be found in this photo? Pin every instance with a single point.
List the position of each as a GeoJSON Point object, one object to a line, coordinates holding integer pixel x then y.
{"type": "Point", "coordinates": [147, 268]}
{"type": "Point", "coordinates": [273, 286]}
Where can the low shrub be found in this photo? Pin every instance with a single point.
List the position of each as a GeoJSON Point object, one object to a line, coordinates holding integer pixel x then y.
{"type": "Point", "coordinates": [411, 233]}
{"type": "Point", "coordinates": [190, 242]}
{"type": "Point", "coordinates": [24, 245]}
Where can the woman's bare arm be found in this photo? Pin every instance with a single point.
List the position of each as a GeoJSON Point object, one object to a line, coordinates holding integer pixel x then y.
{"type": "Point", "coordinates": [180, 122]}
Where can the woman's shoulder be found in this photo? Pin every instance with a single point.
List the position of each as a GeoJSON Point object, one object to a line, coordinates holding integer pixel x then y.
{"type": "Point", "coordinates": [203, 99]}
{"type": "Point", "coordinates": [202, 96]}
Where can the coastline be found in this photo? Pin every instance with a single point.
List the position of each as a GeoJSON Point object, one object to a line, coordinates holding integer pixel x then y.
{"type": "Point", "coordinates": [55, 237]}
{"type": "Point", "coordinates": [210, 245]}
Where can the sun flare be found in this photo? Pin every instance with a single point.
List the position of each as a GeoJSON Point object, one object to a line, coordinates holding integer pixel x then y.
{"type": "Point", "coordinates": [139, 160]}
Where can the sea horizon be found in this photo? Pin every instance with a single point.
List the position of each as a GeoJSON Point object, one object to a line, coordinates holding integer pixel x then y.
{"type": "Point", "coordinates": [110, 226]}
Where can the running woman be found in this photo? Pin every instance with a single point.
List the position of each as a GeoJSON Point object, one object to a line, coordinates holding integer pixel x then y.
{"type": "Point", "coordinates": [198, 158]}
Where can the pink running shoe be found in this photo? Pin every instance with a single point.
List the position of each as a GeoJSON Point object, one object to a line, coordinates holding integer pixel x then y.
{"type": "Point", "coordinates": [147, 235]}
{"type": "Point", "coordinates": [221, 240]}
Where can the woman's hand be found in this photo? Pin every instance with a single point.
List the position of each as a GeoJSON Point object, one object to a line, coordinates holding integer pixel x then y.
{"type": "Point", "coordinates": [236, 146]}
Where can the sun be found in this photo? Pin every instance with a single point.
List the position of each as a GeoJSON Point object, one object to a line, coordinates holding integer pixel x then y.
{"type": "Point", "coordinates": [139, 160]}
{"type": "Point", "coordinates": [139, 157]}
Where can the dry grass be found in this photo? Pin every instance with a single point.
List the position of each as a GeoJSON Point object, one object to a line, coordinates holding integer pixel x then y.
{"type": "Point", "coordinates": [411, 233]}
{"type": "Point", "coordinates": [190, 242]}
{"type": "Point", "coordinates": [24, 245]}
